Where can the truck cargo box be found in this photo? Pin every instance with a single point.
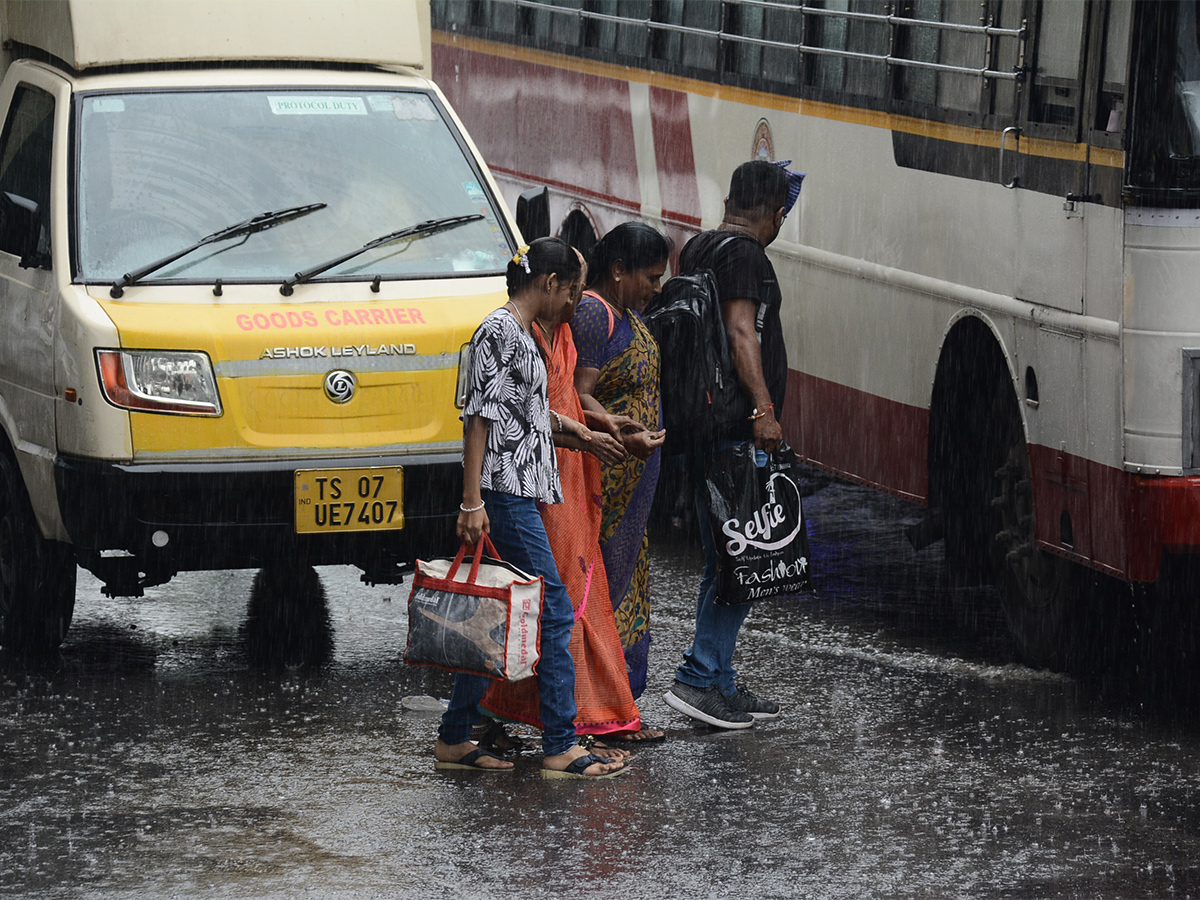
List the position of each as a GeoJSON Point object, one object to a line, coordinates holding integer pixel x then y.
{"type": "Point", "coordinates": [87, 34]}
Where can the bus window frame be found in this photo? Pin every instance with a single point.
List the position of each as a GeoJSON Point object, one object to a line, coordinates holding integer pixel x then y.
{"type": "Point", "coordinates": [1049, 131]}
{"type": "Point", "coordinates": [1094, 85]}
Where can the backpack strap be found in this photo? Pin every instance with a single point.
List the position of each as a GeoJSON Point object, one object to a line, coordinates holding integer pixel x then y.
{"type": "Point", "coordinates": [760, 314]}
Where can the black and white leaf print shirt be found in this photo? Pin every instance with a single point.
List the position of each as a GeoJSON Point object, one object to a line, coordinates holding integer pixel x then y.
{"type": "Point", "coordinates": [507, 386]}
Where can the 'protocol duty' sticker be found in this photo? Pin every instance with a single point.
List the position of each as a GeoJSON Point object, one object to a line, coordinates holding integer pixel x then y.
{"type": "Point", "coordinates": [293, 105]}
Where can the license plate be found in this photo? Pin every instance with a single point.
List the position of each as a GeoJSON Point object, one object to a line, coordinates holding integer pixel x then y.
{"type": "Point", "coordinates": [336, 500]}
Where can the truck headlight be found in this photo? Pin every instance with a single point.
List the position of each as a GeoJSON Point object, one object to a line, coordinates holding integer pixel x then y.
{"type": "Point", "coordinates": [164, 381]}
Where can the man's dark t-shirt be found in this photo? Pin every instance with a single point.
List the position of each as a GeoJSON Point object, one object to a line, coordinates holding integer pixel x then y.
{"type": "Point", "coordinates": [744, 272]}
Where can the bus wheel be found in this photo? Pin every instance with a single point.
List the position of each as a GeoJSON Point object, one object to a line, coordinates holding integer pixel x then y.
{"type": "Point", "coordinates": [1170, 649]}
{"type": "Point", "coordinates": [1038, 589]}
{"type": "Point", "coordinates": [37, 576]}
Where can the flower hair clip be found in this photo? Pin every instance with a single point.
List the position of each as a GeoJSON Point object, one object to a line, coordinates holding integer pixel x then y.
{"type": "Point", "coordinates": [522, 259]}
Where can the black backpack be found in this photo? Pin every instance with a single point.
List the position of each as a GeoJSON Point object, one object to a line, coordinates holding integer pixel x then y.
{"type": "Point", "coordinates": [700, 389]}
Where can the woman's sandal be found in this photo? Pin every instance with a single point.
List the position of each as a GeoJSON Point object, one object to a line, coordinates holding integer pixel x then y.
{"type": "Point", "coordinates": [595, 742]}
{"type": "Point", "coordinates": [634, 738]}
{"type": "Point", "coordinates": [471, 761]}
{"type": "Point", "coordinates": [494, 736]}
{"type": "Point", "coordinates": [576, 768]}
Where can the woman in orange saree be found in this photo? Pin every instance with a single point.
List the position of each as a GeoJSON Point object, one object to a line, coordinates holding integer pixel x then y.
{"type": "Point", "coordinates": [603, 700]}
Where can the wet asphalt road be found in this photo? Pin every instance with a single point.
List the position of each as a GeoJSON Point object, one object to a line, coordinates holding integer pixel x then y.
{"type": "Point", "coordinates": [158, 756]}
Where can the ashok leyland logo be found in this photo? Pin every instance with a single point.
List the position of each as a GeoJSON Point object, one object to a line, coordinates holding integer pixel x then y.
{"type": "Point", "coordinates": [339, 385]}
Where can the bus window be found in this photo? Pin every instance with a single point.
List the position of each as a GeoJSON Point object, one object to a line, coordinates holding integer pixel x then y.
{"type": "Point", "coordinates": [920, 85]}
{"type": "Point", "coordinates": [778, 65]}
{"type": "Point", "coordinates": [1054, 98]}
{"type": "Point", "coordinates": [785, 26]}
{"type": "Point", "coordinates": [1110, 108]}
{"type": "Point", "coordinates": [745, 59]}
{"type": "Point", "coordinates": [845, 74]}
{"type": "Point", "coordinates": [629, 40]}
{"type": "Point", "coordinates": [692, 51]}
{"type": "Point", "coordinates": [455, 12]}
{"type": "Point", "coordinates": [556, 27]}
{"type": "Point", "coordinates": [946, 90]}
{"type": "Point", "coordinates": [1187, 82]}
{"type": "Point", "coordinates": [1007, 57]}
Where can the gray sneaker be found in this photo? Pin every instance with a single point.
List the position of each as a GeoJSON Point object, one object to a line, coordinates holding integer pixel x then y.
{"type": "Point", "coordinates": [745, 700]}
{"type": "Point", "coordinates": [708, 706]}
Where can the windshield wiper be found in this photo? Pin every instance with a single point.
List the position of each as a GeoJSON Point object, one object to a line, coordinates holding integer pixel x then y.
{"type": "Point", "coordinates": [426, 227]}
{"type": "Point", "coordinates": [258, 223]}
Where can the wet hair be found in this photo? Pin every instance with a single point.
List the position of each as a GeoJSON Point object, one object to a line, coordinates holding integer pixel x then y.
{"type": "Point", "coordinates": [545, 256]}
{"type": "Point", "coordinates": [635, 244]}
{"type": "Point", "coordinates": [758, 188]}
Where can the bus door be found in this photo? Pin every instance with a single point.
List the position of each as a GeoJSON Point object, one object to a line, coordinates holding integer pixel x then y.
{"type": "Point", "coordinates": [1067, 200]}
{"type": "Point", "coordinates": [1044, 162]}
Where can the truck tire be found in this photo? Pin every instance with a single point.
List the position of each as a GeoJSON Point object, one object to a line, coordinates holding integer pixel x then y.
{"type": "Point", "coordinates": [287, 619]}
{"type": "Point", "coordinates": [37, 576]}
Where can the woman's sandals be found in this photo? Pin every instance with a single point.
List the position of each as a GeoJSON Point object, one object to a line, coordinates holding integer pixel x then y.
{"type": "Point", "coordinates": [470, 760]}
{"type": "Point", "coordinates": [577, 766]}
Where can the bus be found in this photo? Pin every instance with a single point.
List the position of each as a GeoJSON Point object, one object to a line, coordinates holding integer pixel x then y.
{"type": "Point", "coordinates": [989, 276]}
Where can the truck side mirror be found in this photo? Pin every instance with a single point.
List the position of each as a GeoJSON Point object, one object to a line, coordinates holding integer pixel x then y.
{"type": "Point", "coordinates": [533, 213]}
{"type": "Point", "coordinates": [20, 224]}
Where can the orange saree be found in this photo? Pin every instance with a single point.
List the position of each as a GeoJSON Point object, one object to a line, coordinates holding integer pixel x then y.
{"type": "Point", "coordinates": [603, 700]}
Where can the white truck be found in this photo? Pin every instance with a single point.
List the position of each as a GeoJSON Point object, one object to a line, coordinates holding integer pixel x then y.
{"type": "Point", "coordinates": [242, 248]}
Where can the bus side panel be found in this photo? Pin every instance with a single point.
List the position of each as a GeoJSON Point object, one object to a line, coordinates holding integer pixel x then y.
{"type": "Point", "coordinates": [853, 432]}
{"type": "Point", "coordinates": [506, 103]}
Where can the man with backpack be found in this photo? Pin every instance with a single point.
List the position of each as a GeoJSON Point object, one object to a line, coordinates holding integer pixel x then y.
{"type": "Point", "coordinates": [705, 688]}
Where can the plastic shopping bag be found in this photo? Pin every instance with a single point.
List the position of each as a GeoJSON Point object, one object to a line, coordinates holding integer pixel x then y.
{"type": "Point", "coordinates": [485, 620]}
{"type": "Point", "coordinates": [757, 520]}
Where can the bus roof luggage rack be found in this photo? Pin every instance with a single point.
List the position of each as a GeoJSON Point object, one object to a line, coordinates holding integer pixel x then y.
{"type": "Point", "coordinates": [893, 21]}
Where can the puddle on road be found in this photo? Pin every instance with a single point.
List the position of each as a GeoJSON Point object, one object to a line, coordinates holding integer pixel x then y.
{"type": "Point", "coordinates": [154, 757]}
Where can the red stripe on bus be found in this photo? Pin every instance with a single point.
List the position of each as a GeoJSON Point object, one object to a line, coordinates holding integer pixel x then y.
{"type": "Point", "coordinates": [504, 104]}
{"type": "Point", "coordinates": [672, 129]}
{"type": "Point", "coordinates": [1120, 523]}
{"type": "Point", "coordinates": [571, 189]}
{"type": "Point", "coordinates": [883, 442]}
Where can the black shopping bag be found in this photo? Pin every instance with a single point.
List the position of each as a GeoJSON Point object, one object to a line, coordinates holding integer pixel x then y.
{"type": "Point", "coordinates": [757, 520]}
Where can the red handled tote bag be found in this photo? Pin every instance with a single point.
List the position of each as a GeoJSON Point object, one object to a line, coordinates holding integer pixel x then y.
{"type": "Point", "coordinates": [481, 620]}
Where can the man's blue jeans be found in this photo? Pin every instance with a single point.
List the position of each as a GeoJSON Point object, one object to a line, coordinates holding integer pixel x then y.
{"type": "Point", "coordinates": [709, 661]}
{"type": "Point", "coordinates": [520, 539]}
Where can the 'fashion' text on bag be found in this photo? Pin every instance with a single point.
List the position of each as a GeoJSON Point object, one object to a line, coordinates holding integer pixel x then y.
{"type": "Point", "coordinates": [757, 517]}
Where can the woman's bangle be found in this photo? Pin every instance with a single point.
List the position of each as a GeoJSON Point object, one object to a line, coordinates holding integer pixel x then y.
{"type": "Point", "coordinates": [558, 419]}
{"type": "Point", "coordinates": [471, 509]}
{"type": "Point", "coordinates": [758, 415]}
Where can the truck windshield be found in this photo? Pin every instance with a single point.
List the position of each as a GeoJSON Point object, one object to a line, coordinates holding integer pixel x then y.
{"type": "Point", "coordinates": [158, 171]}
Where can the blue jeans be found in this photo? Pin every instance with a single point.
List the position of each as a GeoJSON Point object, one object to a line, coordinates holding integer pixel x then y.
{"type": "Point", "coordinates": [520, 539]}
{"type": "Point", "coordinates": [709, 661]}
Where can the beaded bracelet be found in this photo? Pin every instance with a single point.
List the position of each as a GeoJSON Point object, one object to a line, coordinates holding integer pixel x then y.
{"type": "Point", "coordinates": [758, 415]}
{"type": "Point", "coordinates": [558, 419]}
{"type": "Point", "coordinates": [473, 508]}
